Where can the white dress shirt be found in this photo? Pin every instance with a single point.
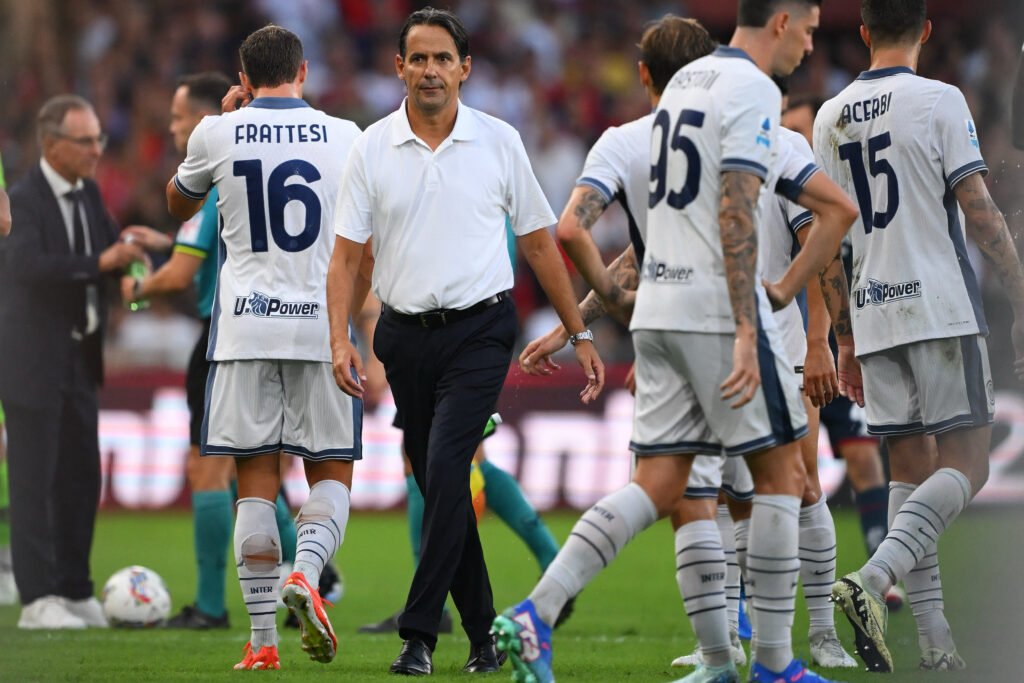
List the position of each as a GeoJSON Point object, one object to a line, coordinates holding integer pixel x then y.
{"type": "Point", "coordinates": [61, 187]}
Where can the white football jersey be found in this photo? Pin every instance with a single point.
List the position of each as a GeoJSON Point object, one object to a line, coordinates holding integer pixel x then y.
{"type": "Point", "coordinates": [898, 144]}
{"type": "Point", "coordinates": [719, 113]}
{"type": "Point", "coordinates": [277, 165]}
{"type": "Point", "coordinates": [783, 217]}
{"type": "Point", "coordinates": [618, 166]}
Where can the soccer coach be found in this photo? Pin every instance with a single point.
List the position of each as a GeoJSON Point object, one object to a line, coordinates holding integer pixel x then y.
{"type": "Point", "coordinates": [432, 184]}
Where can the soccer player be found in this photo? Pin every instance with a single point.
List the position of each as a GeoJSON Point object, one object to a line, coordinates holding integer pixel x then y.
{"type": "Point", "coordinates": [907, 148]}
{"type": "Point", "coordinates": [842, 418]}
{"type": "Point", "coordinates": [276, 164]}
{"type": "Point", "coordinates": [194, 258]}
{"type": "Point", "coordinates": [700, 323]}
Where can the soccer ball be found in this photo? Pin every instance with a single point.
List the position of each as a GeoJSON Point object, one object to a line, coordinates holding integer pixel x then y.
{"type": "Point", "coordinates": [136, 597]}
{"type": "Point", "coordinates": [476, 490]}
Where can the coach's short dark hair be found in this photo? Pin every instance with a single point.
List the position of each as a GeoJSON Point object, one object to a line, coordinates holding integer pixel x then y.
{"type": "Point", "coordinates": [894, 21]}
{"type": "Point", "coordinates": [446, 19]}
{"type": "Point", "coordinates": [50, 120]}
{"type": "Point", "coordinates": [669, 44]}
{"type": "Point", "coordinates": [756, 13]}
{"type": "Point", "coordinates": [206, 90]}
{"type": "Point", "coordinates": [271, 56]}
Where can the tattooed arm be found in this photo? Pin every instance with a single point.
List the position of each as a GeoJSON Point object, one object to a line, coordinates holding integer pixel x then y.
{"type": "Point", "coordinates": [585, 206]}
{"type": "Point", "coordinates": [736, 211]}
{"type": "Point", "coordinates": [987, 227]}
{"type": "Point", "coordinates": [625, 274]}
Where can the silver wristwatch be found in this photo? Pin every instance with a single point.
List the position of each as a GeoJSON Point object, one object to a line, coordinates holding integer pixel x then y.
{"type": "Point", "coordinates": [585, 335]}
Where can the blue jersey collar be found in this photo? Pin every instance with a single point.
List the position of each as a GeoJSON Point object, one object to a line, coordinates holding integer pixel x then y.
{"type": "Point", "coordinates": [726, 51]}
{"type": "Point", "coordinates": [882, 73]}
{"type": "Point", "coordinates": [278, 103]}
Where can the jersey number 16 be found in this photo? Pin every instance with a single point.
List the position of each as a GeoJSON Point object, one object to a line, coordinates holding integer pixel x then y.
{"type": "Point", "coordinates": [280, 194]}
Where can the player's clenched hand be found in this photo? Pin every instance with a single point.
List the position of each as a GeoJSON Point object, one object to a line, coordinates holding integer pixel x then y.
{"type": "Point", "coordinates": [118, 255]}
{"type": "Point", "coordinates": [536, 357]}
{"type": "Point", "coordinates": [1017, 335]}
{"type": "Point", "coordinates": [345, 359]}
{"type": "Point", "coordinates": [820, 382]}
{"type": "Point", "coordinates": [238, 96]}
{"type": "Point", "coordinates": [777, 295]}
{"type": "Point", "coordinates": [592, 366]}
{"type": "Point", "coordinates": [851, 385]}
{"type": "Point", "coordinates": [745, 377]}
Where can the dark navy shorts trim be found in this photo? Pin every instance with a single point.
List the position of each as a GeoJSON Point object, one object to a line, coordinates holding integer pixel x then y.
{"type": "Point", "coordinates": [701, 492]}
{"type": "Point", "coordinates": [680, 448]}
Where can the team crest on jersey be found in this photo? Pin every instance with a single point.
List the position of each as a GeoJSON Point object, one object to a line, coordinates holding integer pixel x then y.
{"type": "Point", "coordinates": [265, 306]}
{"type": "Point", "coordinates": [972, 134]}
{"type": "Point", "coordinates": [880, 293]}
{"type": "Point", "coordinates": [659, 271]}
{"type": "Point", "coordinates": [764, 136]}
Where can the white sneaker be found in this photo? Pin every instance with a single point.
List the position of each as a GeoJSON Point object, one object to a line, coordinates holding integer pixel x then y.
{"type": "Point", "coordinates": [739, 657]}
{"type": "Point", "coordinates": [48, 612]}
{"type": "Point", "coordinates": [89, 610]}
{"type": "Point", "coordinates": [827, 651]}
{"type": "Point", "coordinates": [8, 589]}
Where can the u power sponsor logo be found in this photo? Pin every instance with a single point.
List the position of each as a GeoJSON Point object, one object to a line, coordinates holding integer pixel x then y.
{"type": "Point", "coordinates": [265, 306]}
{"type": "Point", "coordinates": [659, 271]}
{"type": "Point", "coordinates": [880, 293]}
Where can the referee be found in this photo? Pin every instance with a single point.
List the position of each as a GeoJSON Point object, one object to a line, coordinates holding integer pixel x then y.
{"type": "Point", "coordinates": [432, 184]}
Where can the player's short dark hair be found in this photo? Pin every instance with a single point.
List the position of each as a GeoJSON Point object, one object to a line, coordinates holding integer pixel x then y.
{"type": "Point", "coordinates": [814, 102]}
{"type": "Point", "coordinates": [894, 21]}
{"type": "Point", "coordinates": [50, 120]}
{"type": "Point", "coordinates": [446, 19]}
{"type": "Point", "coordinates": [271, 56]}
{"type": "Point", "coordinates": [206, 89]}
{"type": "Point", "coordinates": [756, 13]}
{"type": "Point", "coordinates": [669, 44]}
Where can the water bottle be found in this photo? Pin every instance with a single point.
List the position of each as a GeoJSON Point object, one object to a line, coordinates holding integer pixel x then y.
{"type": "Point", "coordinates": [137, 270]}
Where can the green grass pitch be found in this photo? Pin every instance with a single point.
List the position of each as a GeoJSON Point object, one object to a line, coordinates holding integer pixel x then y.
{"type": "Point", "coordinates": [628, 624]}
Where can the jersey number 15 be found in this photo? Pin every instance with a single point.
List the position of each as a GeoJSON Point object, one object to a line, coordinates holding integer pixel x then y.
{"type": "Point", "coordinates": [853, 153]}
{"type": "Point", "coordinates": [280, 194]}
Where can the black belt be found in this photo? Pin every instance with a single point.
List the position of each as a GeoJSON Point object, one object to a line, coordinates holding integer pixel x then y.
{"type": "Point", "coordinates": [442, 316]}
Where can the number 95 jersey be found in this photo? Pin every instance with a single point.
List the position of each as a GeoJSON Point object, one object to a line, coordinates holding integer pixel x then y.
{"type": "Point", "coordinates": [718, 114]}
{"type": "Point", "coordinates": [277, 165]}
{"type": "Point", "coordinates": [898, 144]}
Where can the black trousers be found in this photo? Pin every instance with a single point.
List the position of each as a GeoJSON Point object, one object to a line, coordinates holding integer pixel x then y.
{"type": "Point", "coordinates": [53, 462]}
{"type": "Point", "coordinates": [446, 383]}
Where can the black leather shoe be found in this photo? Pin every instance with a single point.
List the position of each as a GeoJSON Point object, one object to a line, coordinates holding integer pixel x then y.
{"type": "Point", "coordinates": [484, 658]}
{"type": "Point", "coordinates": [191, 617]}
{"type": "Point", "coordinates": [390, 625]}
{"type": "Point", "coordinates": [413, 660]}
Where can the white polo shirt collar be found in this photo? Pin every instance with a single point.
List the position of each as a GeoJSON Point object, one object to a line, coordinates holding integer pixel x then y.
{"type": "Point", "coordinates": [465, 127]}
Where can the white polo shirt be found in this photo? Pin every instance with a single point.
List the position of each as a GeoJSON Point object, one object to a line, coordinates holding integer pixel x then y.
{"type": "Point", "coordinates": [437, 218]}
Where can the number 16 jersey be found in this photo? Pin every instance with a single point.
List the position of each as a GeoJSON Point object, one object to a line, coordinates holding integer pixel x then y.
{"type": "Point", "coordinates": [277, 166]}
{"type": "Point", "coordinates": [898, 144]}
{"type": "Point", "coordinates": [718, 114]}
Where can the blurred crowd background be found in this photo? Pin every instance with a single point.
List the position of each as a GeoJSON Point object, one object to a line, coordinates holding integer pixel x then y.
{"type": "Point", "coordinates": [560, 71]}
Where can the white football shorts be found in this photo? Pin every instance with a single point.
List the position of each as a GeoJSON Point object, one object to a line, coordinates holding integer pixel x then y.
{"type": "Point", "coordinates": [679, 408]}
{"type": "Point", "coordinates": [929, 386]}
{"type": "Point", "coordinates": [255, 407]}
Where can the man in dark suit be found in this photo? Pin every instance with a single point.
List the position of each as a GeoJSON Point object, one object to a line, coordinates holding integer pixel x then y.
{"type": "Point", "coordinates": [53, 312]}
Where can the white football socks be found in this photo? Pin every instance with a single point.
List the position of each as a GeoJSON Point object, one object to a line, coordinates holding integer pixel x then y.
{"type": "Point", "coordinates": [320, 528]}
{"type": "Point", "coordinates": [818, 564]}
{"type": "Point", "coordinates": [599, 535]}
{"type": "Point", "coordinates": [924, 585]}
{"type": "Point", "coordinates": [732, 567]}
{"type": "Point", "coordinates": [258, 558]}
{"type": "Point", "coordinates": [922, 518]}
{"type": "Point", "coordinates": [773, 565]}
{"type": "Point", "coordinates": [700, 573]}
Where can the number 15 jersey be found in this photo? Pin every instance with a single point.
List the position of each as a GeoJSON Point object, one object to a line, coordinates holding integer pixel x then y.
{"type": "Point", "coordinates": [277, 165]}
{"type": "Point", "coordinates": [719, 113]}
{"type": "Point", "coordinates": [898, 144]}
